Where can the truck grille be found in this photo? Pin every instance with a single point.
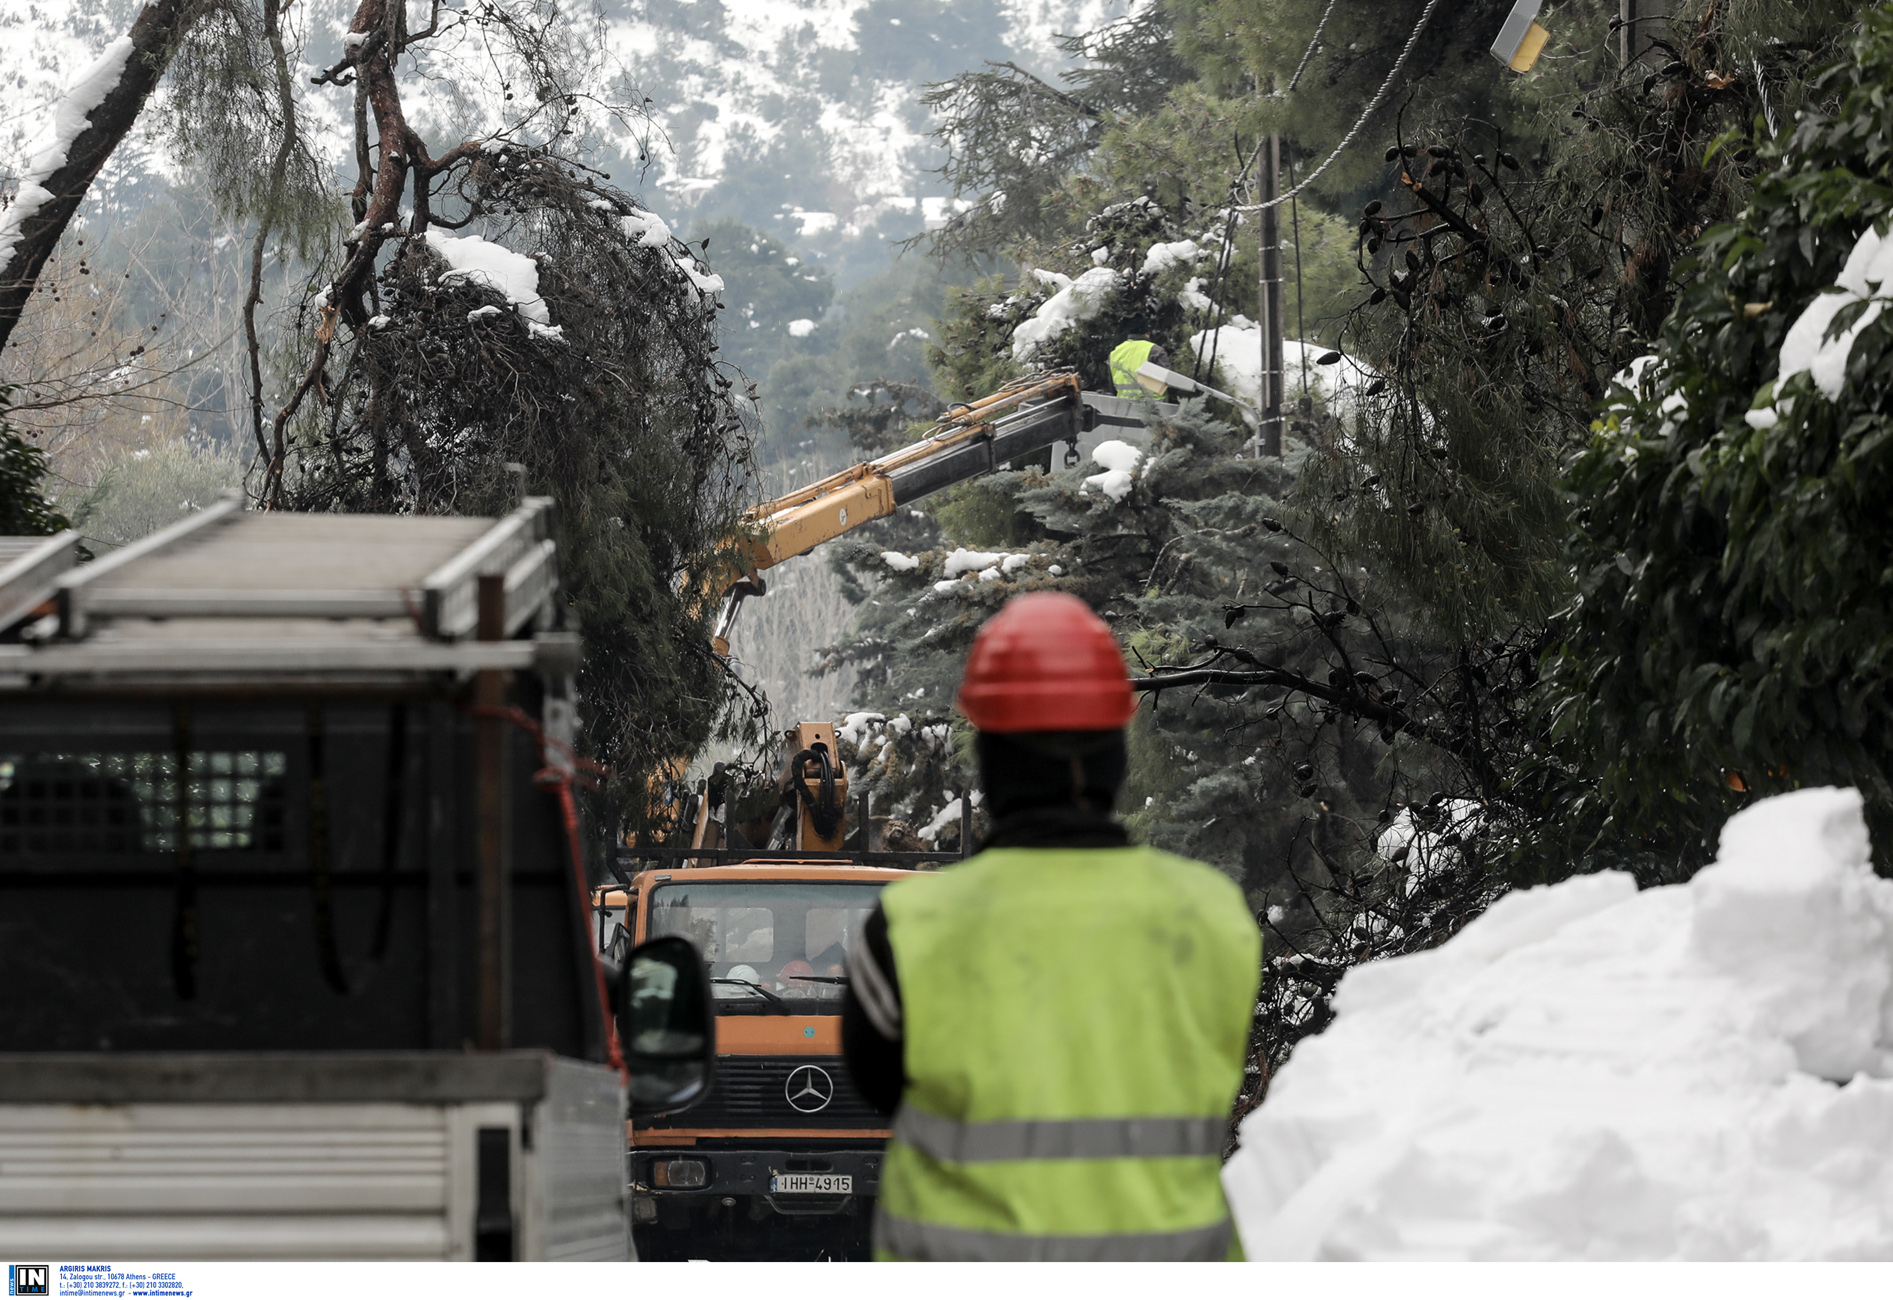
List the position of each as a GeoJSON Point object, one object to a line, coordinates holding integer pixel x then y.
{"type": "Point", "coordinates": [753, 1092]}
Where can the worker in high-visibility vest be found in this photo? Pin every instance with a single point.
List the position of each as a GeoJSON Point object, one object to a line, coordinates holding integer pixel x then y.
{"type": "Point", "coordinates": [1059, 1024]}
{"type": "Point", "coordinates": [1127, 356]}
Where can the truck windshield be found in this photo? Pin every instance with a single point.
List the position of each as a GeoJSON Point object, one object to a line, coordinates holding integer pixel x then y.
{"type": "Point", "coordinates": [790, 939]}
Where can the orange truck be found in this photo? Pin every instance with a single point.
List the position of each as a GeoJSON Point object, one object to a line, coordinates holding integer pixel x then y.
{"type": "Point", "coordinates": [781, 1158]}
{"type": "Point", "coordinates": [782, 1138]}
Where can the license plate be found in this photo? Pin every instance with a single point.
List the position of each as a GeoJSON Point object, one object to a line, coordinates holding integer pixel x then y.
{"type": "Point", "coordinates": [835, 1184]}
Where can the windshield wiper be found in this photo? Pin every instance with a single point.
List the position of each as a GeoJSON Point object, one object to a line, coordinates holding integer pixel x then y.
{"type": "Point", "coordinates": [817, 979]}
{"type": "Point", "coordinates": [777, 1005]}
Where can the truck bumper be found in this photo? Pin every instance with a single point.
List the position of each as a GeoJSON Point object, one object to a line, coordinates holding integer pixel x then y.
{"type": "Point", "coordinates": [733, 1178]}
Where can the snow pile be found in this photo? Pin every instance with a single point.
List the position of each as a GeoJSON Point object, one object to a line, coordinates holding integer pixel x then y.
{"type": "Point", "coordinates": [647, 228]}
{"type": "Point", "coordinates": [856, 727]}
{"type": "Point", "coordinates": [801, 328]}
{"type": "Point", "coordinates": [706, 283]}
{"type": "Point", "coordinates": [1807, 347]}
{"type": "Point", "coordinates": [866, 730]}
{"type": "Point", "coordinates": [899, 561]}
{"type": "Point", "coordinates": [513, 275]}
{"type": "Point", "coordinates": [70, 117]}
{"type": "Point", "coordinates": [1426, 840]}
{"type": "Point", "coordinates": [986, 566]}
{"type": "Point", "coordinates": [947, 817]}
{"type": "Point", "coordinates": [1120, 464]}
{"type": "Point", "coordinates": [1238, 350]}
{"type": "Point", "coordinates": [960, 560]}
{"type": "Point", "coordinates": [1162, 257]}
{"type": "Point", "coordinates": [1697, 1072]}
{"type": "Point", "coordinates": [1075, 302]}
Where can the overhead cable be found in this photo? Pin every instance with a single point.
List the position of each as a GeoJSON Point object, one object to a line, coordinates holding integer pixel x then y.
{"type": "Point", "coordinates": [1313, 44]}
{"type": "Point", "coordinates": [1380, 96]}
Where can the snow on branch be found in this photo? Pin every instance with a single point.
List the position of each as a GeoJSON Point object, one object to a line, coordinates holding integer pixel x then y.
{"type": "Point", "coordinates": [70, 117]}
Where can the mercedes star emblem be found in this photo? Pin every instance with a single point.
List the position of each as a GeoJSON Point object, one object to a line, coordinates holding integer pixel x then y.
{"type": "Point", "coordinates": [809, 1088]}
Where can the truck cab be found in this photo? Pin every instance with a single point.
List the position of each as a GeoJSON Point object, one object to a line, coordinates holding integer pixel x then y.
{"type": "Point", "coordinates": [782, 1153]}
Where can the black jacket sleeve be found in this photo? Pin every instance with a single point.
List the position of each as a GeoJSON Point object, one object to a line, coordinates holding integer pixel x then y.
{"type": "Point", "coordinates": [871, 1042]}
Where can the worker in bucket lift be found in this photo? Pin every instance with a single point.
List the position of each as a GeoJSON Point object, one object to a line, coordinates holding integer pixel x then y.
{"type": "Point", "coordinates": [1127, 356]}
{"type": "Point", "coordinates": [1059, 1024]}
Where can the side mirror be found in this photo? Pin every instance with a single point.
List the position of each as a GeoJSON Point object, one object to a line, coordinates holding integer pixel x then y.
{"type": "Point", "coordinates": [665, 1026]}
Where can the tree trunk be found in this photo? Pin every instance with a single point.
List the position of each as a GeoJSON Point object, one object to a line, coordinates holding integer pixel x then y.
{"type": "Point", "coordinates": [154, 35]}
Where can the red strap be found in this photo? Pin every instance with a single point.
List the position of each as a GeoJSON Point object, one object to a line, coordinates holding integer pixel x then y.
{"type": "Point", "coordinates": [555, 779]}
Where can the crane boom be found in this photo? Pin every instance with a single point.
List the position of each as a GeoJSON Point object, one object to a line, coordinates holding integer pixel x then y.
{"type": "Point", "coordinates": [1025, 416]}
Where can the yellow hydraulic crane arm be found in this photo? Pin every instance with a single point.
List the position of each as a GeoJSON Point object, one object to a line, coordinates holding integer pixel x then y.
{"type": "Point", "coordinates": [1025, 416]}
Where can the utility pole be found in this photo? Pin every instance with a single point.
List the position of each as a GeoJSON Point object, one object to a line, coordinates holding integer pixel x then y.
{"type": "Point", "coordinates": [1269, 436]}
{"type": "Point", "coordinates": [1642, 21]}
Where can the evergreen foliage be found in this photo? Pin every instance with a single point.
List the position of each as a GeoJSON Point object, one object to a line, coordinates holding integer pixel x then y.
{"type": "Point", "coordinates": [1020, 144]}
{"type": "Point", "coordinates": [1732, 629]}
{"type": "Point", "coordinates": [224, 71]}
{"type": "Point", "coordinates": [877, 334]}
{"type": "Point", "coordinates": [25, 509]}
{"type": "Point", "coordinates": [765, 290]}
{"type": "Point", "coordinates": [1195, 562]}
{"type": "Point", "coordinates": [1253, 50]}
{"type": "Point", "coordinates": [1506, 289]}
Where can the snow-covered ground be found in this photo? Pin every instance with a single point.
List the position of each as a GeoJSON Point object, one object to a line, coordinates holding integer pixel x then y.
{"type": "Point", "coordinates": [1588, 1072]}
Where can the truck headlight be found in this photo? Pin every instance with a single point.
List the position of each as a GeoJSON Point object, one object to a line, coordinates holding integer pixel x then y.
{"type": "Point", "coordinates": [679, 1173]}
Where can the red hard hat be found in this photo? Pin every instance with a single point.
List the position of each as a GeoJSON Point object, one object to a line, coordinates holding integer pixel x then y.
{"type": "Point", "coordinates": [1046, 663]}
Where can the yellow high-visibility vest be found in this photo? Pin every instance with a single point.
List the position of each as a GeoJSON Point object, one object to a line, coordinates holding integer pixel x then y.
{"type": "Point", "coordinates": [1075, 1023]}
{"type": "Point", "coordinates": [1126, 357]}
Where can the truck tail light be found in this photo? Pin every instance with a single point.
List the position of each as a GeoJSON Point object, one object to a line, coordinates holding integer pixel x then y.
{"type": "Point", "coordinates": [679, 1173]}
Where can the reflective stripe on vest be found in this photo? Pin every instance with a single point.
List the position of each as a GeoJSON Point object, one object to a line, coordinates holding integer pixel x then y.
{"type": "Point", "coordinates": [1146, 1138]}
{"type": "Point", "coordinates": [912, 1239]}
